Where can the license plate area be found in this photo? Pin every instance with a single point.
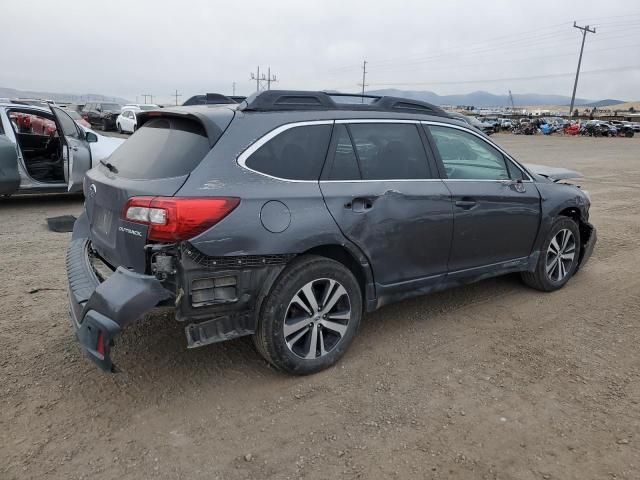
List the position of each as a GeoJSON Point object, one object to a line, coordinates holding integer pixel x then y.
{"type": "Point", "coordinates": [102, 221]}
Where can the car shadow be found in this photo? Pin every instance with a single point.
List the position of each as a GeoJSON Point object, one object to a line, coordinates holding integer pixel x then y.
{"type": "Point", "coordinates": [152, 353]}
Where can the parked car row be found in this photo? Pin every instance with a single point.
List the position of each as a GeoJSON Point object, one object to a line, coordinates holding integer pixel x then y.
{"type": "Point", "coordinates": [593, 128]}
{"type": "Point", "coordinates": [111, 115]}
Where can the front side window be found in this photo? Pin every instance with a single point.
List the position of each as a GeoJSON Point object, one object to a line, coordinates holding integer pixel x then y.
{"type": "Point", "coordinates": [66, 123]}
{"type": "Point", "coordinates": [295, 154]}
{"type": "Point", "coordinates": [467, 157]}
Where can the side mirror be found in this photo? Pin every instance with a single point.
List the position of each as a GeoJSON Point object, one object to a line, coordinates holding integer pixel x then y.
{"type": "Point", "coordinates": [91, 137]}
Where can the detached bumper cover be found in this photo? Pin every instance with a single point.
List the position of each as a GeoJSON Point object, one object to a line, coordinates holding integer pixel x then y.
{"type": "Point", "coordinates": [99, 311]}
{"type": "Point", "coordinates": [588, 246]}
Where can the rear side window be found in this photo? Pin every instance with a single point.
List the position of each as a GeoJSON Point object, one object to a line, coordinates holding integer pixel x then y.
{"type": "Point", "coordinates": [162, 148]}
{"type": "Point", "coordinates": [345, 163]}
{"type": "Point", "coordinates": [388, 151]}
{"type": "Point", "coordinates": [295, 154]}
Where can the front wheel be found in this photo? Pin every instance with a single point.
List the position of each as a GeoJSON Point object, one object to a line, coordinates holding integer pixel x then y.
{"type": "Point", "coordinates": [558, 257]}
{"type": "Point", "coordinates": [119, 128]}
{"type": "Point", "coordinates": [310, 317]}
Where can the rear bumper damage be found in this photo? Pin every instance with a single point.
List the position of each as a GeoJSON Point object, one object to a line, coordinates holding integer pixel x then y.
{"type": "Point", "coordinates": [100, 310]}
{"type": "Point", "coordinates": [216, 297]}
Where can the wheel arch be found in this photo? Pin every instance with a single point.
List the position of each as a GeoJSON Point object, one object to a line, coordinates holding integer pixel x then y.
{"type": "Point", "coordinates": [356, 263]}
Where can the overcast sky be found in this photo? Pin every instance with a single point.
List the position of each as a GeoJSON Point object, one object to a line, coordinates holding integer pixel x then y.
{"type": "Point", "coordinates": [127, 48]}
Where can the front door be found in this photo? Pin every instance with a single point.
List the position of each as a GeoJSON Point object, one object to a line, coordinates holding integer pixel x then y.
{"type": "Point", "coordinates": [382, 191]}
{"type": "Point", "coordinates": [9, 176]}
{"type": "Point", "coordinates": [496, 206]}
{"type": "Point", "coordinates": [76, 151]}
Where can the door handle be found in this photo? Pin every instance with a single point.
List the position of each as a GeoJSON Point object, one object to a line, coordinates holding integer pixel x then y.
{"type": "Point", "coordinates": [360, 204]}
{"type": "Point", "coordinates": [466, 203]}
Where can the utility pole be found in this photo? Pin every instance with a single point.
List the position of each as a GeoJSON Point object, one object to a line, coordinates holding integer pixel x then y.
{"type": "Point", "coordinates": [575, 84]}
{"type": "Point", "coordinates": [364, 78]}
{"type": "Point", "coordinates": [234, 88]}
{"type": "Point", "coordinates": [513, 108]}
{"type": "Point", "coordinates": [270, 78]}
{"type": "Point", "coordinates": [176, 95]}
{"type": "Point", "coordinates": [145, 96]}
{"type": "Point", "coordinates": [261, 79]}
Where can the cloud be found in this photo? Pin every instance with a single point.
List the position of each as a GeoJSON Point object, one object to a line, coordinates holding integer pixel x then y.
{"type": "Point", "coordinates": [128, 48]}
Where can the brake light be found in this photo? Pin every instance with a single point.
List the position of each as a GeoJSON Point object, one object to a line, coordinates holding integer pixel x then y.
{"type": "Point", "coordinates": [100, 343]}
{"type": "Point", "coordinates": [172, 219]}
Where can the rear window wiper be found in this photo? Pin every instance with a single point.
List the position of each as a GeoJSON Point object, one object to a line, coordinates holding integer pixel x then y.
{"type": "Point", "coordinates": [112, 168]}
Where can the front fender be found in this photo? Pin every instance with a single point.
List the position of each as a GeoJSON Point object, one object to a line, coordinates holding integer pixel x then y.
{"type": "Point", "coordinates": [554, 199]}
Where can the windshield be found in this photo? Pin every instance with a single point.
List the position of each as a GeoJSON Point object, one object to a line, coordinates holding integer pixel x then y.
{"type": "Point", "coordinates": [148, 107]}
{"type": "Point", "coordinates": [111, 106]}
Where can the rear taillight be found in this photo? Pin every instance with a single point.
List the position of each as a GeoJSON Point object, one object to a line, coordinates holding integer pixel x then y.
{"type": "Point", "coordinates": [172, 219]}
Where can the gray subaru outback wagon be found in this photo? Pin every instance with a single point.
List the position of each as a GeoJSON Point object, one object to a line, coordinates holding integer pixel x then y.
{"type": "Point", "coordinates": [288, 216]}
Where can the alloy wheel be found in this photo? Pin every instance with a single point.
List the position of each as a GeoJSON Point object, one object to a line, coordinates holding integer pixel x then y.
{"type": "Point", "coordinates": [317, 318]}
{"type": "Point", "coordinates": [560, 255]}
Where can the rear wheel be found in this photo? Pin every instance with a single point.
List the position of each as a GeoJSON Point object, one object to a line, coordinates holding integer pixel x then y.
{"type": "Point", "coordinates": [105, 126]}
{"type": "Point", "coordinates": [310, 316]}
{"type": "Point", "coordinates": [558, 257]}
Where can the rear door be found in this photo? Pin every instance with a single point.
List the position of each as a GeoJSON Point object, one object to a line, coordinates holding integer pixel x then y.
{"type": "Point", "coordinates": [76, 153]}
{"type": "Point", "coordinates": [496, 206]}
{"type": "Point", "coordinates": [384, 194]}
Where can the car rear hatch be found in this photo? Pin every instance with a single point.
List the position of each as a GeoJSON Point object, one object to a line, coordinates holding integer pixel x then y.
{"type": "Point", "coordinates": [153, 162]}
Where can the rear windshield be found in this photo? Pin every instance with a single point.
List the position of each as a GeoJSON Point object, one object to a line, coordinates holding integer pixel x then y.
{"type": "Point", "coordinates": [162, 148]}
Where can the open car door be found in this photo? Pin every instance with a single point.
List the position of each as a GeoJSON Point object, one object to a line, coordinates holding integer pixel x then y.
{"type": "Point", "coordinates": [9, 176]}
{"type": "Point", "coordinates": [76, 152]}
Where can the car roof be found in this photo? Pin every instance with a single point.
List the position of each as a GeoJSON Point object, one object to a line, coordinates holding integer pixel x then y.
{"type": "Point", "coordinates": [22, 106]}
{"type": "Point", "coordinates": [208, 114]}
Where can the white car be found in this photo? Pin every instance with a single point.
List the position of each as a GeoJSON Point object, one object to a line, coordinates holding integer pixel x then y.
{"type": "Point", "coordinates": [127, 121]}
{"type": "Point", "coordinates": [102, 147]}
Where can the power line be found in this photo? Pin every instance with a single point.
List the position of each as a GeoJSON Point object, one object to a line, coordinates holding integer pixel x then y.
{"type": "Point", "coordinates": [509, 79]}
{"type": "Point", "coordinates": [584, 30]}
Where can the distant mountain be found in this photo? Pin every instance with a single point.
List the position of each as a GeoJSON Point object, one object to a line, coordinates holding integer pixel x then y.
{"type": "Point", "coordinates": [59, 97]}
{"type": "Point", "coordinates": [603, 103]}
{"type": "Point", "coordinates": [486, 99]}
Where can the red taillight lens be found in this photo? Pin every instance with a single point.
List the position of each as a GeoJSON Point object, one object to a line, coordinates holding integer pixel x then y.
{"type": "Point", "coordinates": [100, 343]}
{"type": "Point", "coordinates": [172, 219]}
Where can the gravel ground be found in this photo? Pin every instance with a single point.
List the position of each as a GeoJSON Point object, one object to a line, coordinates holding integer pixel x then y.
{"type": "Point", "coordinates": [488, 381]}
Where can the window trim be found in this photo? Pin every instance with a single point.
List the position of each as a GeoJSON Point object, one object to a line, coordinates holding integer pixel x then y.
{"type": "Point", "coordinates": [527, 176]}
{"type": "Point", "coordinates": [244, 156]}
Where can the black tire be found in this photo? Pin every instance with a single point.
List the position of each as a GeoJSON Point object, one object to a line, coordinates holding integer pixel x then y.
{"type": "Point", "coordinates": [119, 128]}
{"type": "Point", "coordinates": [104, 126]}
{"type": "Point", "coordinates": [539, 278]}
{"type": "Point", "coordinates": [269, 338]}
{"type": "Point", "coordinates": [628, 133]}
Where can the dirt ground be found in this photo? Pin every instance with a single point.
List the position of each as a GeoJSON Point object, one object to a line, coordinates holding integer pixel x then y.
{"type": "Point", "coordinates": [488, 381]}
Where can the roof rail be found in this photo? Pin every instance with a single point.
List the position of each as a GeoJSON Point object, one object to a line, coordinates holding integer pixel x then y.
{"type": "Point", "coordinates": [282, 100]}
